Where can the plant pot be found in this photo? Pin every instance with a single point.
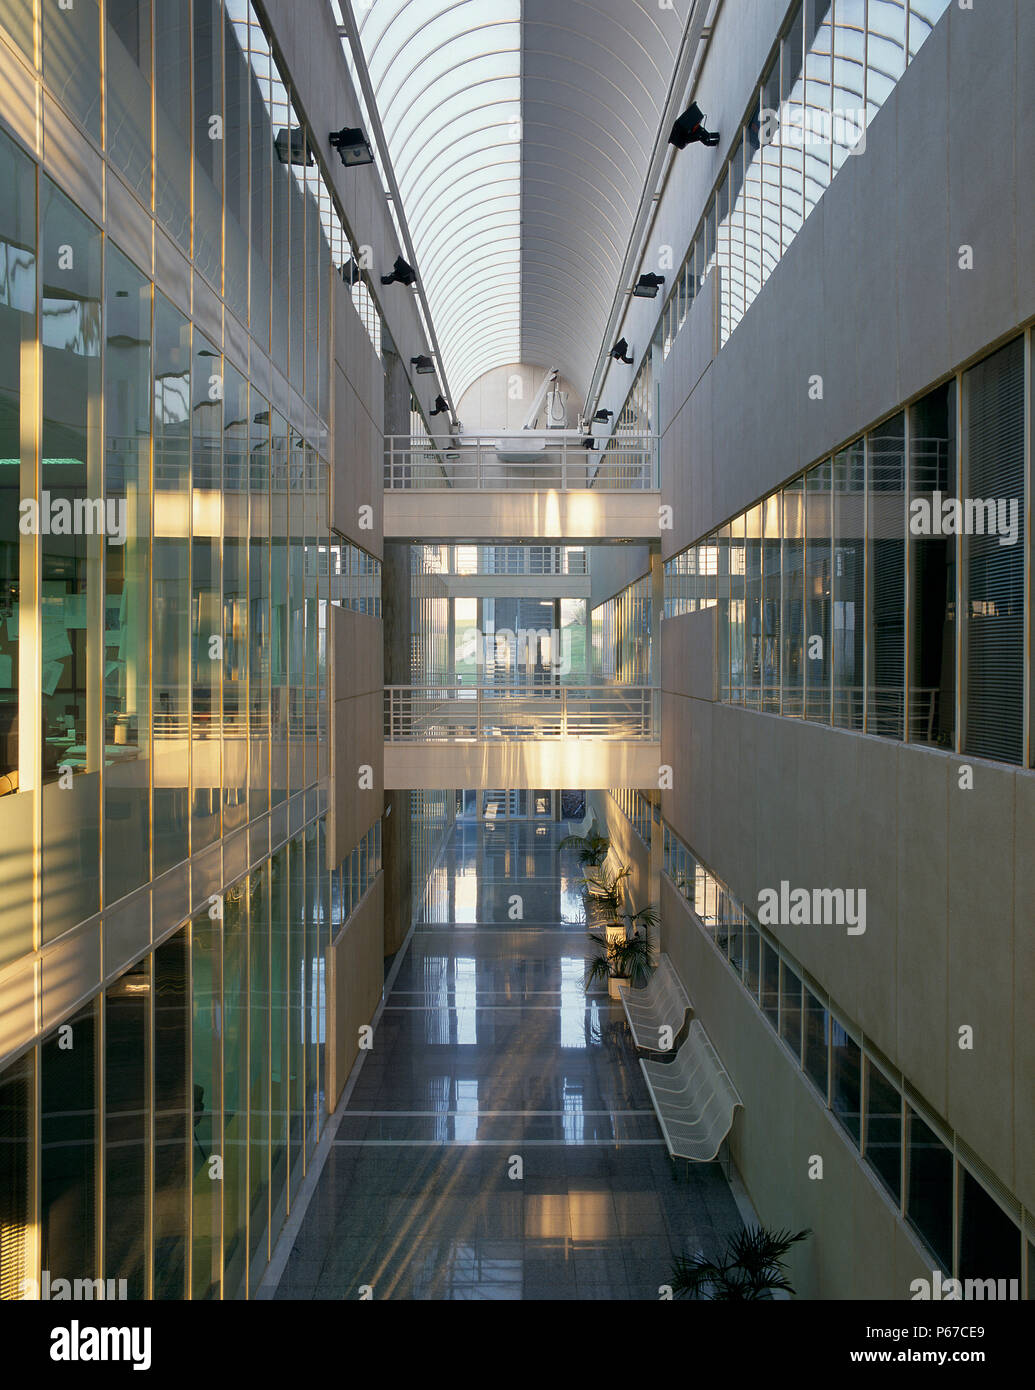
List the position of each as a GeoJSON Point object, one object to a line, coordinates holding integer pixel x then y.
{"type": "Point", "coordinates": [614, 985]}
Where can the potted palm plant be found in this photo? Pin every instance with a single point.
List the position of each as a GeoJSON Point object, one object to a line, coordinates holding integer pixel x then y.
{"type": "Point", "coordinates": [591, 848]}
{"type": "Point", "coordinates": [622, 938]}
{"type": "Point", "coordinates": [751, 1267]}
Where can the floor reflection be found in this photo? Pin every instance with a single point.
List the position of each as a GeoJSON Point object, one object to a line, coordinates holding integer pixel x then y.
{"type": "Point", "coordinates": [499, 1142]}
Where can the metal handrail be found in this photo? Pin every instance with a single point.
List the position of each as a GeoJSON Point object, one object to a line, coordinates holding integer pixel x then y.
{"type": "Point", "coordinates": [468, 713]}
{"type": "Point", "coordinates": [627, 463]}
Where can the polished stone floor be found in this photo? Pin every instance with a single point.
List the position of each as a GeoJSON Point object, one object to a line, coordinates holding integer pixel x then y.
{"type": "Point", "coordinates": [499, 1141]}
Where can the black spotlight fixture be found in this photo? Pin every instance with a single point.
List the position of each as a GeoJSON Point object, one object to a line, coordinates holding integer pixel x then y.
{"type": "Point", "coordinates": [589, 442]}
{"type": "Point", "coordinates": [689, 128]}
{"type": "Point", "coordinates": [441, 406]}
{"type": "Point", "coordinates": [620, 352]}
{"type": "Point", "coordinates": [602, 417]}
{"type": "Point", "coordinates": [352, 145]}
{"type": "Point", "coordinates": [350, 272]}
{"type": "Point", "coordinates": [291, 146]}
{"type": "Point", "coordinates": [424, 365]}
{"type": "Point", "coordinates": [647, 286]}
{"type": "Point", "coordinates": [402, 274]}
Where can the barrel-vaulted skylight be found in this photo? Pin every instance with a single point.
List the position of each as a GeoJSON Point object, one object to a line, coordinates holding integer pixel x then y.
{"type": "Point", "coordinates": [447, 79]}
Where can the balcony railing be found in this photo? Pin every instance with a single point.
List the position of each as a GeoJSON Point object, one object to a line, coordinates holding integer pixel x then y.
{"type": "Point", "coordinates": [628, 464]}
{"type": "Point", "coordinates": [466, 713]}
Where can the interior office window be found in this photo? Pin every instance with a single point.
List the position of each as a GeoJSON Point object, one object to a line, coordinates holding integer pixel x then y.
{"type": "Point", "coordinates": [849, 77]}
{"type": "Point", "coordinates": [17, 480]}
{"type": "Point", "coordinates": [993, 556]}
{"type": "Point", "coordinates": [885, 51]}
{"type": "Point", "coordinates": [280, 232]}
{"type": "Point", "coordinates": [127, 92]}
{"type": "Point", "coordinates": [208, 150]}
{"type": "Point", "coordinates": [752, 958]}
{"type": "Point", "coordinates": [738, 637]}
{"type": "Point", "coordinates": [754, 635]}
{"type": "Point", "coordinates": [849, 497]}
{"type": "Point", "coordinates": [296, 616]}
{"type": "Point", "coordinates": [819, 45]}
{"type": "Point", "coordinates": [298, 1014]}
{"type": "Point", "coordinates": [172, 118]}
{"type": "Point", "coordinates": [297, 270]}
{"type": "Point", "coordinates": [792, 156]}
{"type": "Point", "coordinates": [173, 1120]}
{"type": "Point", "coordinates": [769, 990]}
{"type": "Point", "coordinates": [846, 1080]}
{"type": "Point", "coordinates": [258, 1068]}
{"type": "Point", "coordinates": [886, 598]}
{"type": "Point", "coordinates": [990, 1240]}
{"type": "Point", "coordinates": [790, 1008]}
{"type": "Point", "coordinates": [280, 502]}
{"type": "Point", "coordinates": [127, 571]}
{"type": "Point", "coordinates": [127, 1128]}
{"type": "Point", "coordinates": [722, 592]}
{"type": "Point", "coordinates": [792, 598]}
{"type": "Point", "coordinates": [71, 602]}
{"type": "Point", "coordinates": [69, 1125]}
{"type": "Point", "coordinates": [736, 234]}
{"type": "Point", "coordinates": [772, 581]}
{"type": "Point", "coordinates": [929, 1187]}
{"type": "Point", "coordinates": [817, 1041]}
{"type": "Point", "coordinates": [883, 1144]}
{"type": "Point", "coordinates": [235, 1088]}
{"type": "Point", "coordinates": [260, 171]}
{"type": "Point", "coordinates": [932, 570]}
{"type": "Point", "coordinates": [314, 344]}
{"type": "Point", "coordinates": [259, 617]}
{"type": "Point", "coordinates": [752, 208]}
{"type": "Point", "coordinates": [17, 1175]}
{"type": "Point", "coordinates": [236, 614]}
{"type": "Point", "coordinates": [17, 18]}
{"type": "Point", "coordinates": [722, 256]}
{"type": "Point", "coordinates": [819, 583]}
{"type": "Point", "coordinates": [280, 1094]}
{"type": "Point", "coordinates": [72, 59]}
{"type": "Point", "coordinates": [207, 387]}
{"type": "Point", "coordinates": [772, 153]}
{"type": "Point", "coordinates": [206, 1104]}
{"type": "Point", "coordinates": [170, 587]}
{"type": "Point", "coordinates": [236, 138]}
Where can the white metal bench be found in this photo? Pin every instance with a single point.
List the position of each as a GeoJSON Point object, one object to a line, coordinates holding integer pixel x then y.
{"type": "Point", "coordinates": [661, 1004]}
{"type": "Point", "coordinates": [694, 1098]}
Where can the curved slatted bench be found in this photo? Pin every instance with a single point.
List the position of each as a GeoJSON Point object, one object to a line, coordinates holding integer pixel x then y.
{"type": "Point", "coordinates": [694, 1098]}
{"type": "Point", "coordinates": [662, 1003]}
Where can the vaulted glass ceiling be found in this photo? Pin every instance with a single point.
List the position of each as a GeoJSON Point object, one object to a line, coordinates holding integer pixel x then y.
{"type": "Point", "coordinates": [520, 132]}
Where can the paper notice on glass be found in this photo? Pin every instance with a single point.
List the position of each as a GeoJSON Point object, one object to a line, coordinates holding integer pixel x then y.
{"type": "Point", "coordinates": [56, 645]}
{"type": "Point", "coordinates": [51, 675]}
{"type": "Point", "coordinates": [75, 611]}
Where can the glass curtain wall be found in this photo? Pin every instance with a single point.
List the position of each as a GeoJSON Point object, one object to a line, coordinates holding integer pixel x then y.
{"type": "Point", "coordinates": [880, 1115]}
{"type": "Point", "coordinates": [198, 1131]}
{"type": "Point", "coordinates": [844, 596]}
{"type": "Point", "coordinates": [837, 62]}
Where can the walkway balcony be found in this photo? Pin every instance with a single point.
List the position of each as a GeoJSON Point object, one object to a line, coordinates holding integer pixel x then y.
{"type": "Point", "coordinates": [593, 736]}
{"type": "Point", "coordinates": [533, 486]}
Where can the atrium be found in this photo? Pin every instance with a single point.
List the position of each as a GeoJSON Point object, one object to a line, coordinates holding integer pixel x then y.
{"type": "Point", "coordinates": [517, 738]}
